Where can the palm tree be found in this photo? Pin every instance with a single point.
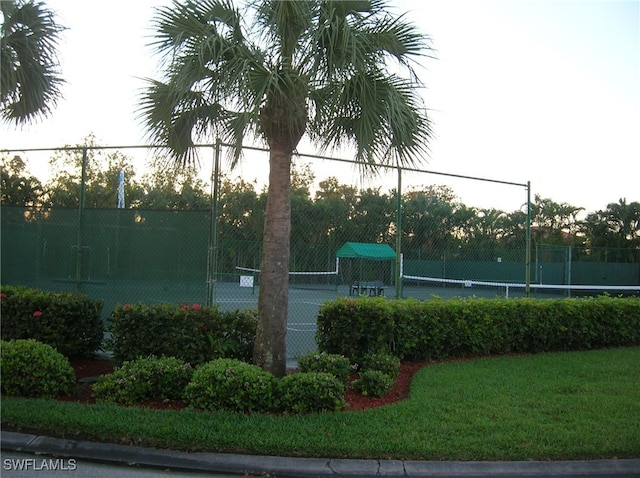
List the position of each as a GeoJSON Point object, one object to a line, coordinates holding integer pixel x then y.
{"type": "Point", "coordinates": [302, 67]}
{"type": "Point", "coordinates": [29, 76]}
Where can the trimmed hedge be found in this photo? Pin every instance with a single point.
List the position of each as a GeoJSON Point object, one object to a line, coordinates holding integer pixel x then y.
{"type": "Point", "coordinates": [193, 333]}
{"type": "Point", "coordinates": [356, 327]}
{"type": "Point", "coordinates": [229, 384]}
{"type": "Point", "coordinates": [386, 363]}
{"type": "Point", "coordinates": [373, 383]}
{"type": "Point", "coordinates": [437, 329]}
{"type": "Point", "coordinates": [336, 365]}
{"type": "Point", "coordinates": [32, 369]}
{"type": "Point", "coordinates": [147, 378]}
{"type": "Point", "coordinates": [311, 392]}
{"type": "Point", "coordinates": [71, 323]}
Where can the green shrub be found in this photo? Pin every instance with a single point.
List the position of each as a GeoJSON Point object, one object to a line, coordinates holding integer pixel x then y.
{"type": "Point", "coordinates": [33, 369]}
{"type": "Point", "coordinates": [306, 392]}
{"type": "Point", "coordinates": [355, 327]}
{"type": "Point", "coordinates": [385, 363]}
{"type": "Point", "coordinates": [436, 329]}
{"type": "Point", "coordinates": [192, 333]}
{"type": "Point", "coordinates": [229, 384]}
{"type": "Point", "coordinates": [337, 365]}
{"type": "Point", "coordinates": [373, 383]}
{"type": "Point", "coordinates": [148, 378]}
{"type": "Point", "coordinates": [71, 323]}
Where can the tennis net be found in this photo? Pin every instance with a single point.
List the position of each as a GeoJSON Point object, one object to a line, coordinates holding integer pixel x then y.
{"type": "Point", "coordinates": [419, 286]}
{"type": "Point", "coordinates": [323, 280]}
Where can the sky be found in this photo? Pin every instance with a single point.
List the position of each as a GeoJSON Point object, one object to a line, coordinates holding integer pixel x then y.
{"type": "Point", "coordinates": [539, 91]}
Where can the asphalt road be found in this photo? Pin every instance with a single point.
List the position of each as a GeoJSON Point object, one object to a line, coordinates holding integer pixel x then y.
{"type": "Point", "coordinates": [24, 465]}
{"type": "Point", "coordinates": [39, 456]}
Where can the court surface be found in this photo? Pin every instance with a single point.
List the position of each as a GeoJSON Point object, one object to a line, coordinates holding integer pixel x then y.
{"type": "Point", "coordinates": [304, 303]}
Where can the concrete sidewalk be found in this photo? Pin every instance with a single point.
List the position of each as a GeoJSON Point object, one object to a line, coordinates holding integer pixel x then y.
{"type": "Point", "coordinates": [308, 467]}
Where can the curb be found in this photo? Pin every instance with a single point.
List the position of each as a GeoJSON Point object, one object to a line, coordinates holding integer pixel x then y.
{"type": "Point", "coordinates": [309, 467]}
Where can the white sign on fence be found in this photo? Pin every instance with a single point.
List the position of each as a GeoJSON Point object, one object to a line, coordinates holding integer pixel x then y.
{"type": "Point", "coordinates": [246, 281]}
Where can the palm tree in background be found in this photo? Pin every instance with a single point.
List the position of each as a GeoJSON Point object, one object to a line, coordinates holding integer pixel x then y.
{"type": "Point", "coordinates": [315, 68]}
{"type": "Point", "coordinates": [29, 75]}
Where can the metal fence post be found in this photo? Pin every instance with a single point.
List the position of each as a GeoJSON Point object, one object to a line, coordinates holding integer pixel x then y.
{"type": "Point", "coordinates": [399, 237]}
{"type": "Point", "coordinates": [527, 287]}
{"type": "Point", "coordinates": [83, 180]}
{"type": "Point", "coordinates": [212, 263]}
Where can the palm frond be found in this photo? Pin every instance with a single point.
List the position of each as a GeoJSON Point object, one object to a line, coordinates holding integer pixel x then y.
{"type": "Point", "coordinates": [397, 38]}
{"type": "Point", "coordinates": [314, 66]}
{"type": "Point", "coordinates": [172, 114]}
{"type": "Point", "coordinates": [284, 23]}
{"type": "Point", "coordinates": [209, 70]}
{"type": "Point", "coordinates": [239, 126]}
{"type": "Point", "coordinates": [380, 116]}
{"type": "Point", "coordinates": [356, 101]}
{"type": "Point", "coordinates": [30, 80]}
{"type": "Point", "coordinates": [182, 22]}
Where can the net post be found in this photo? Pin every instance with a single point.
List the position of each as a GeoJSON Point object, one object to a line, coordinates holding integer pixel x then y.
{"type": "Point", "coordinates": [253, 283]}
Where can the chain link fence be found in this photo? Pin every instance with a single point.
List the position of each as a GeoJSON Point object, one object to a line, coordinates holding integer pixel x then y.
{"type": "Point", "coordinates": [211, 255]}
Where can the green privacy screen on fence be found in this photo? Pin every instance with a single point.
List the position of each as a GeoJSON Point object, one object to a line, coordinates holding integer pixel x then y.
{"type": "Point", "coordinates": [115, 244]}
{"type": "Point", "coordinates": [171, 250]}
{"type": "Point", "coordinates": [129, 256]}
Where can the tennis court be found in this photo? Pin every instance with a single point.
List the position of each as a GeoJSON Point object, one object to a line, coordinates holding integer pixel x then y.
{"type": "Point", "coordinates": [304, 303]}
{"type": "Point", "coordinates": [307, 293]}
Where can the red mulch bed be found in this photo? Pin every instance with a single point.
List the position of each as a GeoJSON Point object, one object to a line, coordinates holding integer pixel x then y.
{"type": "Point", "coordinates": [94, 367]}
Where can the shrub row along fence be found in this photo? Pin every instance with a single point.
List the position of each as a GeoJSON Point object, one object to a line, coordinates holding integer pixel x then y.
{"type": "Point", "coordinates": [69, 322]}
{"type": "Point", "coordinates": [174, 352]}
{"type": "Point", "coordinates": [354, 328]}
{"type": "Point", "coordinates": [438, 329]}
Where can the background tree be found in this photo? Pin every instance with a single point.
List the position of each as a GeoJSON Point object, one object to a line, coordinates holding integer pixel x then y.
{"type": "Point", "coordinates": [307, 67]}
{"type": "Point", "coordinates": [240, 223]}
{"type": "Point", "coordinates": [427, 224]}
{"type": "Point", "coordinates": [614, 233]}
{"type": "Point", "coordinates": [101, 181]}
{"type": "Point", "coordinates": [17, 186]}
{"type": "Point", "coordinates": [554, 223]}
{"type": "Point", "coordinates": [303, 221]}
{"type": "Point", "coordinates": [336, 204]}
{"type": "Point", "coordinates": [30, 80]}
{"type": "Point", "coordinates": [515, 230]}
{"type": "Point", "coordinates": [371, 218]}
{"type": "Point", "coordinates": [488, 228]}
{"type": "Point", "coordinates": [175, 189]}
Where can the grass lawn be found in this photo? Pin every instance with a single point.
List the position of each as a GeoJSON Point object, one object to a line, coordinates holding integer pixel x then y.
{"type": "Point", "coordinates": [577, 405]}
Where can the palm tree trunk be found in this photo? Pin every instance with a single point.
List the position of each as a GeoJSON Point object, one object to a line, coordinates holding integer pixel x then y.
{"type": "Point", "coordinates": [269, 350]}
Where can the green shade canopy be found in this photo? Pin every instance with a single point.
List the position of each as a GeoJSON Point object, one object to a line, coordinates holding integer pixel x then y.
{"type": "Point", "coordinates": [362, 250]}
